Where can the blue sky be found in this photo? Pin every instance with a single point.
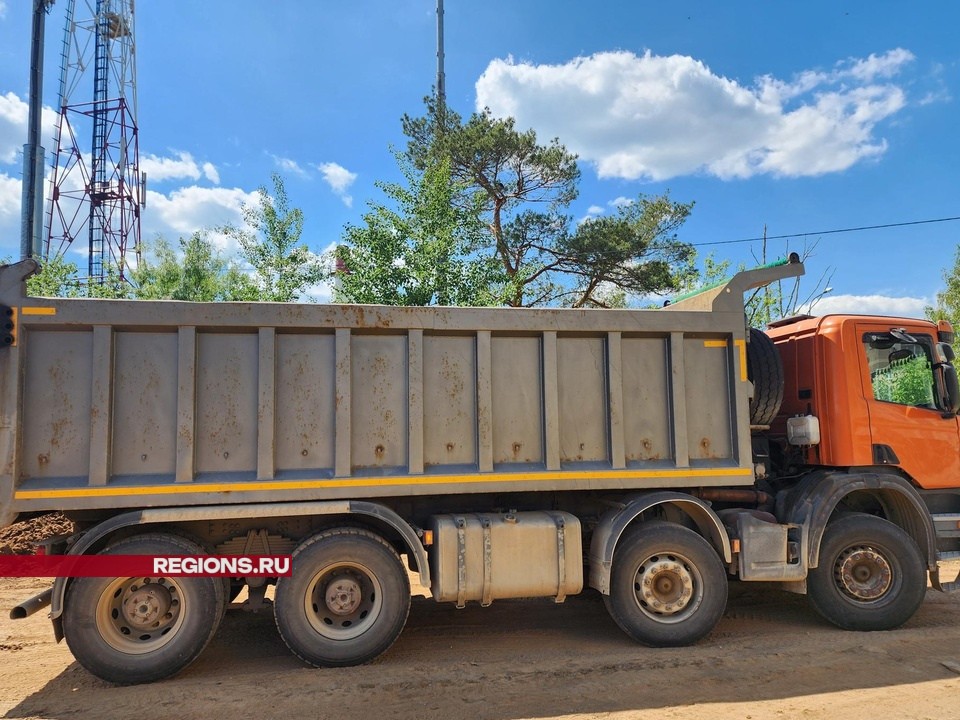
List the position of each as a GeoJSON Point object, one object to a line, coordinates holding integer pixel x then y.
{"type": "Point", "coordinates": [801, 117]}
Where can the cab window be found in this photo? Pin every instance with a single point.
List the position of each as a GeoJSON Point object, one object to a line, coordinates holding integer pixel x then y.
{"type": "Point", "coordinates": [901, 370]}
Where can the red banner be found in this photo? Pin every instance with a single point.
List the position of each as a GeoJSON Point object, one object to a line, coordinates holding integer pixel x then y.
{"type": "Point", "coordinates": [145, 566]}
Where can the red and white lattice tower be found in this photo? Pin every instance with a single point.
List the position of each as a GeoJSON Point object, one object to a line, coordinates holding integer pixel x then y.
{"type": "Point", "coordinates": [97, 188]}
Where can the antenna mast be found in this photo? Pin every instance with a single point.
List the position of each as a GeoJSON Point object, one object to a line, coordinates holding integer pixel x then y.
{"type": "Point", "coordinates": [441, 78]}
{"type": "Point", "coordinates": [98, 190]}
{"type": "Point", "coordinates": [32, 198]}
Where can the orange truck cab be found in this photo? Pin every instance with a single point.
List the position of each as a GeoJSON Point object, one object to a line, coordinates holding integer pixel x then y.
{"type": "Point", "coordinates": [879, 395]}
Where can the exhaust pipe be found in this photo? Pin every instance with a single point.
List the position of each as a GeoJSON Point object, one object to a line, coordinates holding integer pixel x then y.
{"type": "Point", "coordinates": [29, 607]}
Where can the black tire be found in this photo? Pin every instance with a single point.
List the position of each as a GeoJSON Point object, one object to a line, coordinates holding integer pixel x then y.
{"type": "Point", "coordinates": [871, 574]}
{"type": "Point", "coordinates": [114, 639]}
{"type": "Point", "coordinates": [346, 601]}
{"type": "Point", "coordinates": [668, 564]}
{"type": "Point", "coordinates": [765, 371]}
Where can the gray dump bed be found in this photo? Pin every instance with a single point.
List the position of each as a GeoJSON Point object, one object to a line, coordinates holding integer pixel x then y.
{"type": "Point", "coordinates": [118, 404]}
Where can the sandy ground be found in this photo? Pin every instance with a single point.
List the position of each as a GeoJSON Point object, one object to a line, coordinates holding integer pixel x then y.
{"type": "Point", "coordinates": [770, 657]}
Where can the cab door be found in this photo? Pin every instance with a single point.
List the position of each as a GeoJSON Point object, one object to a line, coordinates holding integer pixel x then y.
{"type": "Point", "coordinates": [907, 427]}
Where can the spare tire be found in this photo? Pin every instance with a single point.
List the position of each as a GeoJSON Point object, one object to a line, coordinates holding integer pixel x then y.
{"type": "Point", "coordinates": [765, 371]}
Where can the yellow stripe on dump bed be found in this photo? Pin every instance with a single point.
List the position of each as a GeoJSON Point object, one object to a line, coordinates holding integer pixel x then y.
{"type": "Point", "coordinates": [262, 486]}
{"type": "Point", "coordinates": [38, 311]}
{"type": "Point", "coordinates": [741, 345]}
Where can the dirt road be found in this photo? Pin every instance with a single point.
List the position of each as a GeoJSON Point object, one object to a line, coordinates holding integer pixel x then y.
{"type": "Point", "coordinates": [770, 657]}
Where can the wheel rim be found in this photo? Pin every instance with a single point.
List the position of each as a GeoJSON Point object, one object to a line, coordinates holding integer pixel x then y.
{"type": "Point", "coordinates": [140, 615]}
{"type": "Point", "coordinates": [343, 601]}
{"type": "Point", "coordinates": [863, 574]}
{"type": "Point", "coordinates": [668, 587]}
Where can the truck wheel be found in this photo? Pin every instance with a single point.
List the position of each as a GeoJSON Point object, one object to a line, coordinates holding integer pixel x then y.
{"type": "Point", "coordinates": [346, 601]}
{"type": "Point", "coordinates": [870, 576]}
{"type": "Point", "coordinates": [765, 371]}
{"type": "Point", "coordinates": [129, 630]}
{"type": "Point", "coordinates": [668, 586]}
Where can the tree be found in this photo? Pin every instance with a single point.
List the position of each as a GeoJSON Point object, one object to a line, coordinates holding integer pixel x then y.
{"type": "Point", "coordinates": [284, 269]}
{"type": "Point", "coordinates": [56, 278]}
{"type": "Point", "coordinates": [948, 300]}
{"type": "Point", "coordinates": [422, 253]}
{"type": "Point", "coordinates": [499, 169]}
{"type": "Point", "coordinates": [199, 273]}
{"type": "Point", "coordinates": [636, 251]}
{"type": "Point", "coordinates": [59, 278]}
{"type": "Point", "coordinates": [907, 382]}
{"type": "Point", "coordinates": [519, 190]}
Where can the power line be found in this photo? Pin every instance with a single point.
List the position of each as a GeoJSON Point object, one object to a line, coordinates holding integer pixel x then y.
{"type": "Point", "coordinates": [827, 232]}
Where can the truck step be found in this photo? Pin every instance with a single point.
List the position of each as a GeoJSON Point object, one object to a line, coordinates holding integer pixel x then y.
{"type": "Point", "coordinates": [954, 585]}
{"type": "Point", "coordinates": [947, 525]}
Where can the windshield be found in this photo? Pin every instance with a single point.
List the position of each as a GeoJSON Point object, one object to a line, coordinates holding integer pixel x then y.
{"type": "Point", "coordinates": [901, 370]}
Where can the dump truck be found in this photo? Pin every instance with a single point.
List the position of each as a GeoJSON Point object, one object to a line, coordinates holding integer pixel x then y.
{"type": "Point", "coordinates": [654, 456]}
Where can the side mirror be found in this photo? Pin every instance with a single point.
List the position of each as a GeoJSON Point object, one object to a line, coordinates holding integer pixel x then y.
{"type": "Point", "coordinates": [944, 353]}
{"type": "Point", "coordinates": [948, 387]}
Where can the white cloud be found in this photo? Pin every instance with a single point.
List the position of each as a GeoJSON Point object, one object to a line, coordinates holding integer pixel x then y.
{"type": "Point", "coordinates": [323, 291]}
{"type": "Point", "coordinates": [210, 173]}
{"type": "Point", "coordinates": [594, 211]}
{"type": "Point", "coordinates": [10, 195]}
{"type": "Point", "coordinates": [939, 91]}
{"type": "Point", "coordinates": [13, 126]}
{"type": "Point", "coordinates": [179, 212]}
{"type": "Point", "coordinates": [339, 179]}
{"type": "Point", "coordinates": [9, 217]}
{"type": "Point", "coordinates": [870, 305]}
{"type": "Point", "coordinates": [14, 115]}
{"type": "Point", "coordinates": [182, 166]}
{"type": "Point", "coordinates": [883, 66]}
{"type": "Point", "coordinates": [290, 166]}
{"type": "Point", "coordinates": [659, 117]}
{"type": "Point", "coordinates": [3, 9]}
{"type": "Point", "coordinates": [189, 209]}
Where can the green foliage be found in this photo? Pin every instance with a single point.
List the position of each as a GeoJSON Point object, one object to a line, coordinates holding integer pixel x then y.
{"type": "Point", "coordinates": [198, 273]}
{"type": "Point", "coordinates": [492, 159]}
{"type": "Point", "coordinates": [59, 278]}
{"type": "Point", "coordinates": [514, 243]}
{"type": "Point", "coordinates": [498, 169]}
{"type": "Point", "coordinates": [56, 278]}
{"type": "Point", "coordinates": [113, 287]}
{"type": "Point", "coordinates": [948, 300]}
{"type": "Point", "coordinates": [907, 382]}
{"type": "Point", "coordinates": [636, 251]}
{"type": "Point", "coordinates": [420, 254]}
{"type": "Point", "coordinates": [283, 268]}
